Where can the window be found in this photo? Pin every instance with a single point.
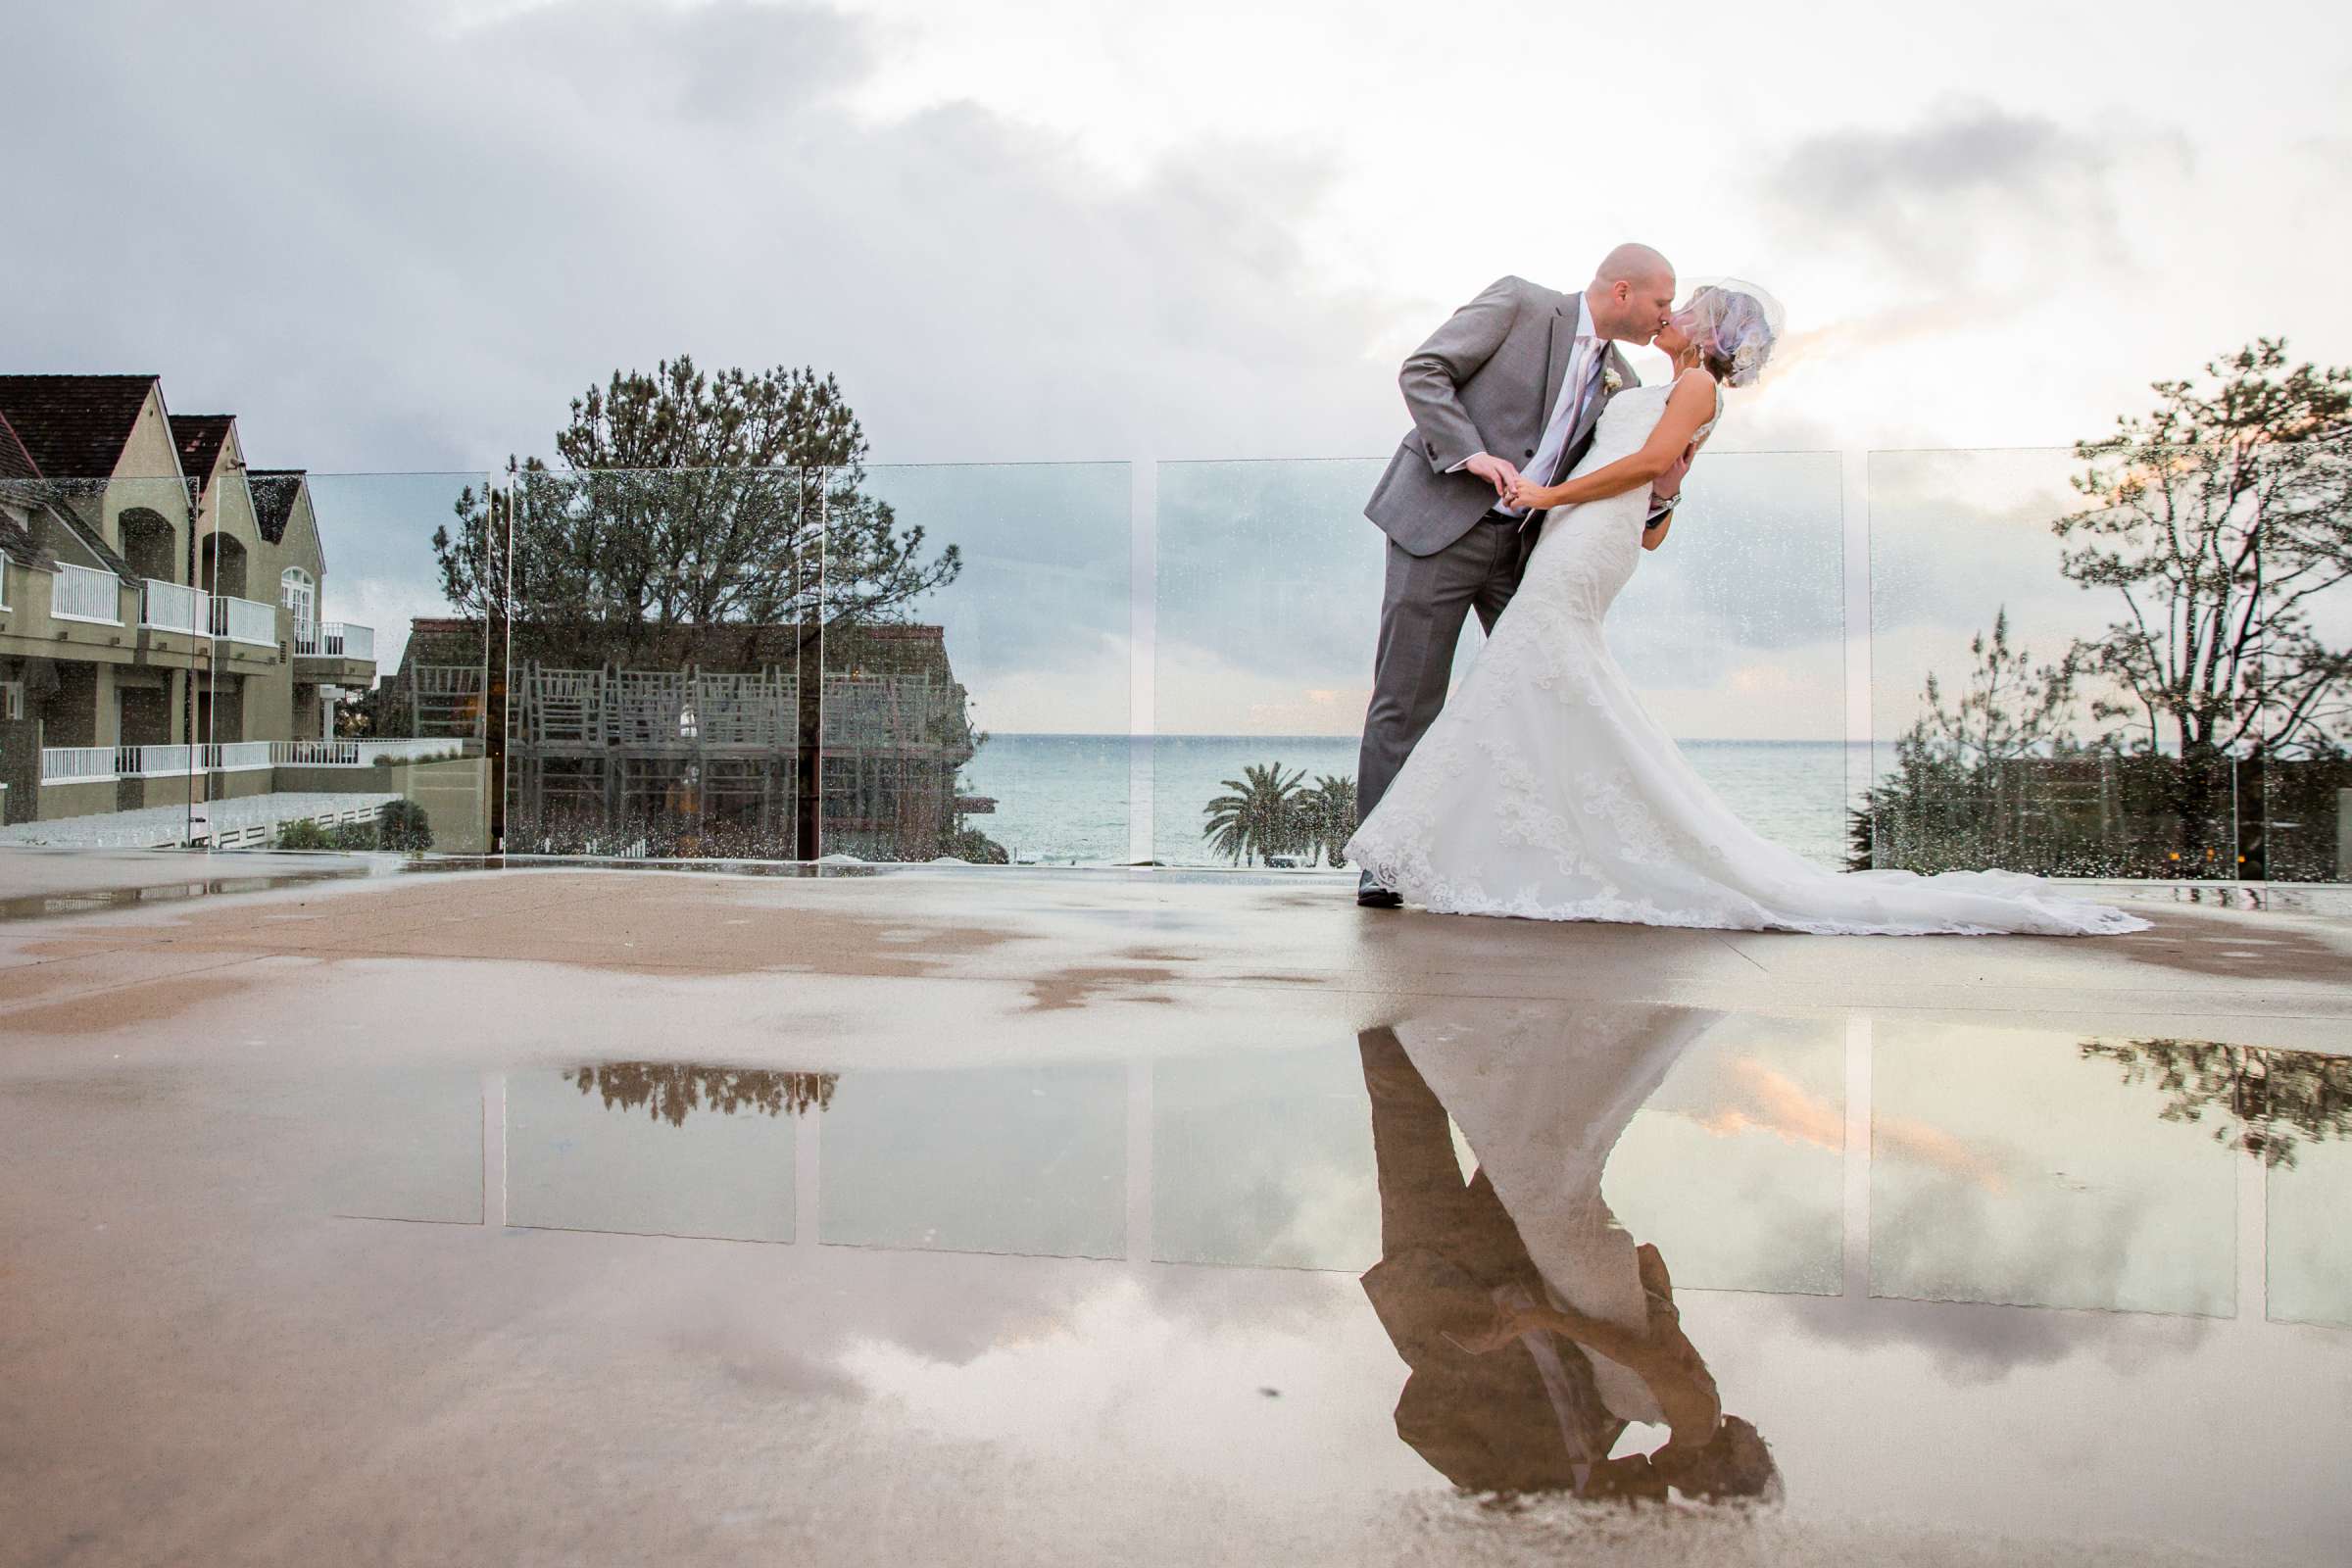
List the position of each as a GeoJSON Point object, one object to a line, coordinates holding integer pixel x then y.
{"type": "Point", "coordinates": [297, 593]}
{"type": "Point", "coordinates": [12, 699]}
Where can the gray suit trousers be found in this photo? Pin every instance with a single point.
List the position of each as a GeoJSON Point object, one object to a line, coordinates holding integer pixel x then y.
{"type": "Point", "coordinates": [1421, 614]}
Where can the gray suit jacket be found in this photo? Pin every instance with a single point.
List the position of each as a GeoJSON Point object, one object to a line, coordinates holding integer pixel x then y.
{"type": "Point", "coordinates": [1485, 381]}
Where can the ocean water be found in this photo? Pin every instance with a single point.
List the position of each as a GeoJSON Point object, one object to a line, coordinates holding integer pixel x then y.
{"type": "Point", "coordinates": [1065, 799]}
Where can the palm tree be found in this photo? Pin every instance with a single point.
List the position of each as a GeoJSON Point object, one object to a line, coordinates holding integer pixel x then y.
{"type": "Point", "coordinates": [1330, 812]}
{"type": "Point", "coordinates": [1260, 816]}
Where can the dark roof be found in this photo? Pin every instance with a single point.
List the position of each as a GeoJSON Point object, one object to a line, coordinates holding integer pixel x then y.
{"type": "Point", "coordinates": [906, 649]}
{"type": "Point", "coordinates": [17, 544]}
{"type": "Point", "coordinates": [73, 426]}
{"type": "Point", "coordinates": [61, 508]}
{"type": "Point", "coordinates": [274, 492]}
{"type": "Point", "coordinates": [14, 462]}
{"type": "Point", "coordinates": [199, 437]}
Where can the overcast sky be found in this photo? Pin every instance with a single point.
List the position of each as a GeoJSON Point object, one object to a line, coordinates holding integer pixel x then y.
{"type": "Point", "coordinates": [403, 237]}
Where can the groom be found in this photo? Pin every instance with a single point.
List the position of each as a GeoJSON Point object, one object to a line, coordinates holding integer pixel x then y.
{"type": "Point", "coordinates": [1517, 376]}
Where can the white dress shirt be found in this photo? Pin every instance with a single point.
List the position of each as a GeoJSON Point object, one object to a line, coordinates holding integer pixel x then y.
{"type": "Point", "coordinates": [1576, 389]}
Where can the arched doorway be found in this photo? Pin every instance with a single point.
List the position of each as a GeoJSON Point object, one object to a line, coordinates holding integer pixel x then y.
{"type": "Point", "coordinates": [149, 544]}
{"type": "Point", "coordinates": [221, 566]}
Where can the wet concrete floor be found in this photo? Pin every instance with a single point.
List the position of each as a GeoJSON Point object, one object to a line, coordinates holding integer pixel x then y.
{"type": "Point", "coordinates": [558, 1217]}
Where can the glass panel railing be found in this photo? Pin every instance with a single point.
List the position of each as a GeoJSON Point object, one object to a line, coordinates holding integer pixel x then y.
{"type": "Point", "coordinates": [1269, 593]}
{"type": "Point", "coordinates": [656, 632]}
{"type": "Point", "coordinates": [1733, 1162]}
{"type": "Point", "coordinates": [1019, 1159]}
{"type": "Point", "coordinates": [2031, 709]}
{"type": "Point", "coordinates": [371, 742]}
{"type": "Point", "coordinates": [2300, 1105]}
{"type": "Point", "coordinates": [977, 664]}
{"type": "Point", "coordinates": [2295, 520]}
{"type": "Point", "coordinates": [1267, 601]}
{"type": "Point", "coordinates": [104, 655]}
{"type": "Point", "coordinates": [2039, 1169]}
{"type": "Point", "coordinates": [656, 1149]}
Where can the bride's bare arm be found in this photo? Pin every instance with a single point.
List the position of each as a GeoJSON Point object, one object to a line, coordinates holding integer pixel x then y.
{"type": "Point", "coordinates": [1690, 406]}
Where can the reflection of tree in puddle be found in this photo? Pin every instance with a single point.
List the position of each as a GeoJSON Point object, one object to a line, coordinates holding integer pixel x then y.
{"type": "Point", "coordinates": [2266, 1101]}
{"type": "Point", "coordinates": [671, 1088]}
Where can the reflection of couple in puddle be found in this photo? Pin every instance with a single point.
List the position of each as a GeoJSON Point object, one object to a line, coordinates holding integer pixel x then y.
{"type": "Point", "coordinates": [1537, 1331]}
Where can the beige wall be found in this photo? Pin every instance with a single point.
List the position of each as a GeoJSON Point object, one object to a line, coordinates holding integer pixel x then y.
{"type": "Point", "coordinates": [227, 509]}
{"type": "Point", "coordinates": [61, 801]}
{"type": "Point", "coordinates": [453, 794]}
{"type": "Point", "coordinates": [299, 548]}
{"type": "Point", "coordinates": [270, 688]}
{"type": "Point", "coordinates": [456, 801]}
{"type": "Point", "coordinates": [147, 474]}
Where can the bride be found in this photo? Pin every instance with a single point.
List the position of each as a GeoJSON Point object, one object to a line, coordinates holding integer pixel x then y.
{"type": "Point", "coordinates": [1544, 789]}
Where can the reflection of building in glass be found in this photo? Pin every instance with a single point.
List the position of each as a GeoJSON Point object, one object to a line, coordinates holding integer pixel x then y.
{"type": "Point", "coordinates": [161, 646]}
{"type": "Point", "coordinates": [670, 1090]}
{"type": "Point", "coordinates": [700, 740]}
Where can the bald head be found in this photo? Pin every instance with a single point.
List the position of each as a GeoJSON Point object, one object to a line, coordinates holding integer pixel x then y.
{"type": "Point", "coordinates": [1632, 293]}
{"type": "Point", "coordinates": [1630, 262]}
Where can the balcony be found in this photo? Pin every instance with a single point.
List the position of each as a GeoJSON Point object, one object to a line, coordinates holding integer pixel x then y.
{"type": "Point", "coordinates": [79, 765]}
{"type": "Point", "coordinates": [171, 606]}
{"type": "Point", "coordinates": [334, 639]}
{"type": "Point", "coordinates": [78, 593]}
{"type": "Point", "coordinates": [358, 754]}
{"type": "Point", "coordinates": [100, 765]}
{"type": "Point", "coordinates": [244, 620]}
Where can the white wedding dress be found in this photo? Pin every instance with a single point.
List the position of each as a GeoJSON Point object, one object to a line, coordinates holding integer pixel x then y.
{"type": "Point", "coordinates": [1544, 790]}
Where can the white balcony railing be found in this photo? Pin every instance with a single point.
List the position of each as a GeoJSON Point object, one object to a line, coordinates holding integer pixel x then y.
{"type": "Point", "coordinates": [333, 639]}
{"type": "Point", "coordinates": [97, 765]}
{"type": "Point", "coordinates": [78, 593]}
{"type": "Point", "coordinates": [171, 606]}
{"type": "Point", "coordinates": [243, 620]}
{"type": "Point", "coordinates": [357, 754]}
{"type": "Point", "coordinates": [158, 761]}
{"type": "Point", "coordinates": [77, 764]}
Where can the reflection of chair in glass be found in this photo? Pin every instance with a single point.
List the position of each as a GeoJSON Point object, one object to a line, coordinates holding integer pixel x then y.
{"type": "Point", "coordinates": [445, 700]}
{"type": "Point", "coordinates": [558, 708]}
{"type": "Point", "coordinates": [649, 708]}
{"type": "Point", "coordinates": [893, 746]}
{"type": "Point", "coordinates": [1535, 1328]}
{"type": "Point", "coordinates": [613, 761]}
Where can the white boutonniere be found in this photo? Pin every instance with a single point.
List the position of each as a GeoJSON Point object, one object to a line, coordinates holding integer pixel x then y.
{"type": "Point", "coordinates": [1611, 382]}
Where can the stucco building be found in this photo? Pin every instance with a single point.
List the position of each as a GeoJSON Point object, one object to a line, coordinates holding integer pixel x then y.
{"type": "Point", "coordinates": [160, 636]}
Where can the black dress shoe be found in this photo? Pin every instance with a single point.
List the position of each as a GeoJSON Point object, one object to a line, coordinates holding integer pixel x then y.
{"type": "Point", "coordinates": [1378, 899]}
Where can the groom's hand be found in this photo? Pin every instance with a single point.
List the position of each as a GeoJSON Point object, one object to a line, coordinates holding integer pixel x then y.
{"type": "Point", "coordinates": [1496, 472]}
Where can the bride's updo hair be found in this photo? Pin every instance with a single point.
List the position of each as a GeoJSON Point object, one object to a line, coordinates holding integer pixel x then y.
{"type": "Point", "coordinates": [1735, 326]}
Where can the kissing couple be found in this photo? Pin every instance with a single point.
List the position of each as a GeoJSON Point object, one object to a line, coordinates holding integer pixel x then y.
{"type": "Point", "coordinates": [1537, 472]}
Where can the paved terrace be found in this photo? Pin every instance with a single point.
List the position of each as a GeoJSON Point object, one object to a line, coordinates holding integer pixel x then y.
{"type": "Point", "coordinates": [552, 1215]}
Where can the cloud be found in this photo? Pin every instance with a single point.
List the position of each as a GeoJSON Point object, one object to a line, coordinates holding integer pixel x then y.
{"type": "Point", "coordinates": [1941, 200]}
{"type": "Point", "coordinates": [1981, 1344]}
{"type": "Point", "coordinates": [725, 63]}
{"type": "Point", "coordinates": [398, 246]}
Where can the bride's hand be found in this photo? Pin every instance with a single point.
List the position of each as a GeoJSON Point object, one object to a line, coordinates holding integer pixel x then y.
{"type": "Point", "coordinates": [1528, 496]}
